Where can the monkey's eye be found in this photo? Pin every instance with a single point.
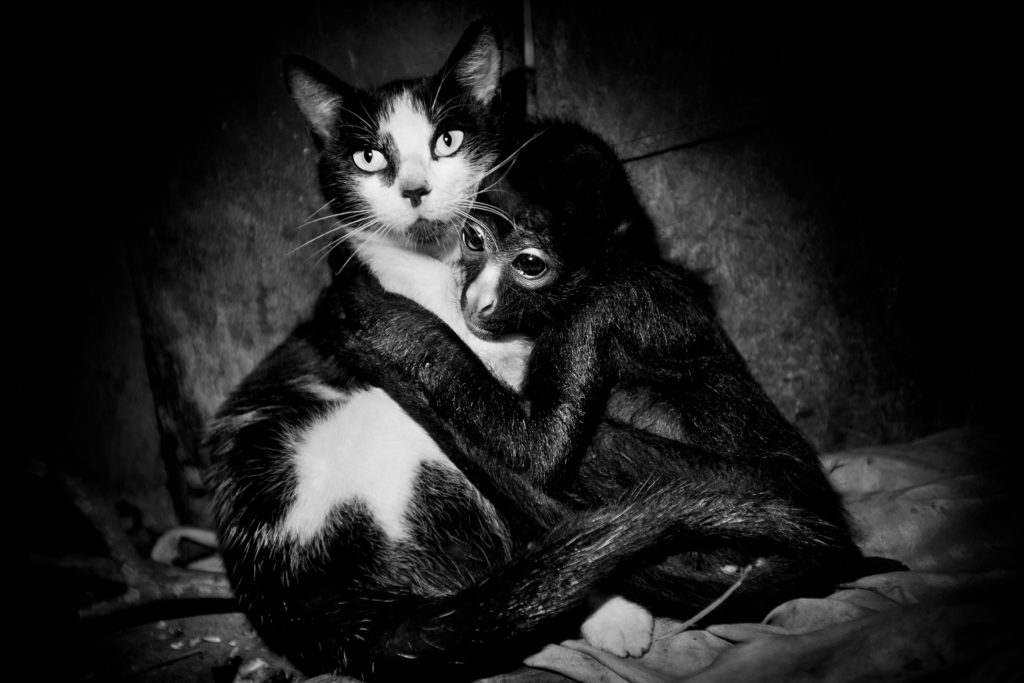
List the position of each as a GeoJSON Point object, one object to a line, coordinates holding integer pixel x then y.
{"type": "Point", "coordinates": [448, 143]}
{"type": "Point", "coordinates": [370, 160]}
{"type": "Point", "coordinates": [530, 265]}
{"type": "Point", "coordinates": [472, 238]}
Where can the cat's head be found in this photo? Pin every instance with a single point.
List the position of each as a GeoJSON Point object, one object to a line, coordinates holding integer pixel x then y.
{"type": "Point", "coordinates": [402, 163]}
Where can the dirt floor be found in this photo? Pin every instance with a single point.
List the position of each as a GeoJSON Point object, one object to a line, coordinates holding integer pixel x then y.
{"type": "Point", "coordinates": [218, 648]}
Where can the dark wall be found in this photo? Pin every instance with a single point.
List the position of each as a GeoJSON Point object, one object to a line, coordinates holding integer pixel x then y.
{"type": "Point", "coordinates": [819, 164]}
{"type": "Point", "coordinates": [819, 167]}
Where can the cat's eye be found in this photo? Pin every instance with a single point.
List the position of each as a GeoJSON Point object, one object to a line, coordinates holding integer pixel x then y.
{"type": "Point", "coordinates": [370, 160]}
{"type": "Point", "coordinates": [448, 143]}
{"type": "Point", "coordinates": [530, 265]}
{"type": "Point", "coordinates": [472, 238]}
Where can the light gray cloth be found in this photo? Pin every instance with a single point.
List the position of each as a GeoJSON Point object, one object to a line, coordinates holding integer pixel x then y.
{"type": "Point", "coordinates": [949, 508]}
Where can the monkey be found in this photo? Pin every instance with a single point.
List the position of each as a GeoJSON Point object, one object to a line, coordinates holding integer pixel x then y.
{"type": "Point", "coordinates": [632, 379]}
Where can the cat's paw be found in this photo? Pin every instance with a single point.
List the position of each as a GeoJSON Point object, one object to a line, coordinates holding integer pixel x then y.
{"type": "Point", "coordinates": [620, 627]}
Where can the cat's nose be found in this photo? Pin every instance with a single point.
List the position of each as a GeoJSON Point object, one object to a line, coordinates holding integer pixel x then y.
{"type": "Point", "coordinates": [415, 194]}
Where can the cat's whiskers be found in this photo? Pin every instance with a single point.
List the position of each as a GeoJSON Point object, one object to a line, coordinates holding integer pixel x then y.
{"type": "Point", "coordinates": [324, 251]}
{"type": "Point", "coordinates": [437, 113]}
{"type": "Point", "coordinates": [497, 181]}
{"type": "Point", "coordinates": [343, 214]}
{"type": "Point", "coordinates": [466, 209]}
{"type": "Point", "coordinates": [349, 227]}
{"type": "Point", "coordinates": [369, 126]}
{"type": "Point", "coordinates": [440, 84]}
{"type": "Point", "coordinates": [510, 160]}
{"type": "Point", "coordinates": [308, 218]}
{"type": "Point", "coordinates": [447, 107]}
{"type": "Point", "coordinates": [359, 244]}
{"type": "Point", "coordinates": [351, 232]}
{"type": "Point", "coordinates": [493, 210]}
{"type": "Point", "coordinates": [484, 228]}
{"type": "Point", "coordinates": [439, 241]}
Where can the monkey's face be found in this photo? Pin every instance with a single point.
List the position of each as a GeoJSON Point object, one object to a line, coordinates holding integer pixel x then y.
{"type": "Point", "coordinates": [524, 257]}
{"type": "Point", "coordinates": [509, 278]}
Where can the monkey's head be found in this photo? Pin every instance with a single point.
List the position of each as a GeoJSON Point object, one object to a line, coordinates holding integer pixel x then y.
{"type": "Point", "coordinates": [514, 273]}
{"type": "Point", "coordinates": [540, 235]}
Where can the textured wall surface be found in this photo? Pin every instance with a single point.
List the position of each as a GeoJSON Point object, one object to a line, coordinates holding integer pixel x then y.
{"type": "Point", "coordinates": [797, 158]}
{"type": "Point", "coordinates": [811, 164]}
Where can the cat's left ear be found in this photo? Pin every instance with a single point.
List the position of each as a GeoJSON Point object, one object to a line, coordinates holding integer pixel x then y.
{"type": "Point", "coordinates": [319, 94]}
{"type": "Point", "coordinates": [476, 61]}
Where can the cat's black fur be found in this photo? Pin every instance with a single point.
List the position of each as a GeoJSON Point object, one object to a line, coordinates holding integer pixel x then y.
{"type": "Point", "coordinates": [478, 568]}
{"type": "Point", "coordinates": [632, 379]}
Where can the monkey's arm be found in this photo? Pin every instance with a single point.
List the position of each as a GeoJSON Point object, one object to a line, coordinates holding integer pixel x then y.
{"type": "Point", "coordinates": [429, 370]}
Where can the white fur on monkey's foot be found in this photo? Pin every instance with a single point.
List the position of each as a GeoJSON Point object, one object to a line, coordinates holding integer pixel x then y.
{"type": "Point", "coordinates": [620, 627]}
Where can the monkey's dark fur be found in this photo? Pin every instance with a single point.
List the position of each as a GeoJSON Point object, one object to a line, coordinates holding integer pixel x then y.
{"type": "Point", "coordinates": [632, 380]}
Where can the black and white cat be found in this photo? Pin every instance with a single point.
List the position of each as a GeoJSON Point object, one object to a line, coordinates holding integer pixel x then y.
{"type": "Point", "coordinates": [354, 540]}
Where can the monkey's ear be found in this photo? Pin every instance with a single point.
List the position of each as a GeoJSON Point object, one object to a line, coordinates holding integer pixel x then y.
{"type": "Point", "coordinates": [320, 94]}
{"type": "Point", "coordinates": [624, 234]}
{"type": "Point", "coordinates": [636, 234]}
{"type": "Point", "coordinates": [476, 61]}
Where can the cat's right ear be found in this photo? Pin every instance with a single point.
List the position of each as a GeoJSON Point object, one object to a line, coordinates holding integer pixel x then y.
{"type": "Point", "coordinates": [318, 92]}
{"type": "Point", "coordinates": [476, 60]}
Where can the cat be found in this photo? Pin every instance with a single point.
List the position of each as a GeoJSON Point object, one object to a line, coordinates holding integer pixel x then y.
{"type": "Point", "coordinates": [632, 380]}
{"type": "Point", "coordinates": [354, 540]}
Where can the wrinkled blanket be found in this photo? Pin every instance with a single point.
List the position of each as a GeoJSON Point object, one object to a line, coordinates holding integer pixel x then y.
{"type": "Point", "coordinates": [949, 507]}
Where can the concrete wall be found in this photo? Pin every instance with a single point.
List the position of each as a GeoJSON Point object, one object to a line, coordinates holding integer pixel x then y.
{"type": "Point", "coordinates": [747, 138]}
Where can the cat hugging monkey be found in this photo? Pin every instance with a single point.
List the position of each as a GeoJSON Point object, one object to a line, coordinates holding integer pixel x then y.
{"type": "Point", "coordinates": [504, 412]}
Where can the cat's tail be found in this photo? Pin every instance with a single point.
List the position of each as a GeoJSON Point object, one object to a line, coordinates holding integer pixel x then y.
{"type": "Point", "coordinates": [541, 595]}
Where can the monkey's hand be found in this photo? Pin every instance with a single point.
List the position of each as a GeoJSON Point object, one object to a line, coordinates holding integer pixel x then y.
{"type": "Point", "coordinates": [387, 335]}
{"type": "Point", "coordinates": [359, 297]}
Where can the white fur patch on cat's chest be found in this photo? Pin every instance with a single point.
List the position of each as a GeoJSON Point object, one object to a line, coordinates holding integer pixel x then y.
{"type": "Point", "coordinates": [424, 279]}
{"type": "Point", "coordinates": [366, 449]}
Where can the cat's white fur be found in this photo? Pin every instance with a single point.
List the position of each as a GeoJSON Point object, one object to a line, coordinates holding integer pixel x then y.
{"type": "Point", "coordinates": [365, 447]}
